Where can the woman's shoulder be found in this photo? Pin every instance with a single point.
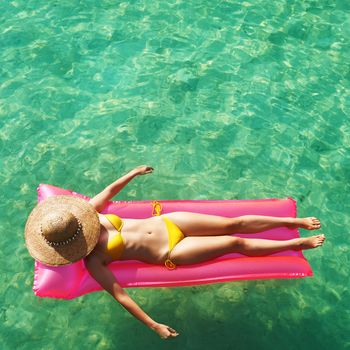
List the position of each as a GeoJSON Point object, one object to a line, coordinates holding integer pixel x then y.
{"type": "Point", "coordinates": [99, 252]}
{"type": "Point", "coordinates": [98, 256]}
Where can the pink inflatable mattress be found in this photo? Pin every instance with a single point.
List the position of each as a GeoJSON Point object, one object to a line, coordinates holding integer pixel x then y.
{"type": "Point", "coordinates": [73, 280]}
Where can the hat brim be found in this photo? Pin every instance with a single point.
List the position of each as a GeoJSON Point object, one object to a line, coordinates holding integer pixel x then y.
{"type": "Point", "coordinates": [78, 248]}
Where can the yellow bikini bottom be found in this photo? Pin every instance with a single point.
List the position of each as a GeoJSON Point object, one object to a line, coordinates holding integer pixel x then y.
{"type": "Point", "coordinates": [175, 236]}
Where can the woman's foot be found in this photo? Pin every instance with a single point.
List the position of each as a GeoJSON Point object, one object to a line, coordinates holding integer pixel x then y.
{"type": "Point", "coordinates": [306, 223]}
{"type": "Point", "coordinates": [310, 242]}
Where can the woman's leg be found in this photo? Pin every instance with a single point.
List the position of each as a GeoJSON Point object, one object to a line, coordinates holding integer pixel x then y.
{"type": "Point", "coordinates": [194, 224]}
{"type": "Point", "coordinates": [192, 250]}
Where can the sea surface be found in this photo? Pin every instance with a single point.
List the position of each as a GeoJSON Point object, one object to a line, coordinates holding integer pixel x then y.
{"type": "Point", "coordinates": [226, 100]}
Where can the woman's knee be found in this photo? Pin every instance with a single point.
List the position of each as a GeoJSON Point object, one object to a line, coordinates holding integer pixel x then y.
{"type": "Point", "coordinates": [237, 244]}
{"type": "Point", "coordinates": [235, 224]}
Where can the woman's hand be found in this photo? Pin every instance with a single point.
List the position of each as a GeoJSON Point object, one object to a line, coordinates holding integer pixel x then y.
{"type": "Point", "coordinates": [143, 169]}
{"type": "Point", "coordinates": [164, 331]}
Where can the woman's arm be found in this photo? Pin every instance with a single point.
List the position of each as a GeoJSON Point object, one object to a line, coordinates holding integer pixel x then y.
{"type": "Point", "coordinates": [101, 199]}
{"type": "Point", "coordinates": [106, 279]}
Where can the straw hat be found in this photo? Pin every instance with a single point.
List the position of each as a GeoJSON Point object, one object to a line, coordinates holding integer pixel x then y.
{"type": "Point", "coordinates": [61, 230]}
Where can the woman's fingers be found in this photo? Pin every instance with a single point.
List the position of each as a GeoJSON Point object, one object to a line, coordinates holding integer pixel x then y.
{"type": "Point", "coordinates": [165, 331]}
{"type": "Point", "coordinates": [146, 169]}
{"type": "Point", "coordinates": [173, 332]}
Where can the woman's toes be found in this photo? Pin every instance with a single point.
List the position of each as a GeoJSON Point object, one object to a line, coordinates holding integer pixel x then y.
{"type": "Point", "coordinates": [313, 223]}
{"type": "Point", "coordinates": [310, 223]}
{"type": "Point", "coordinates": [311, 242]}
{"type": "Point", "coordinates": [321, 239]}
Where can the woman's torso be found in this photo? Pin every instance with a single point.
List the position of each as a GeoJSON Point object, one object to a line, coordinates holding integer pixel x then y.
{"type": "Point", "coordinates": [144, 239]}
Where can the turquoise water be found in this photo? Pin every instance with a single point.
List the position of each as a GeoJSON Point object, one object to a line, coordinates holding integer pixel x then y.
{"type": "Point", "coordinates": [225, 99]}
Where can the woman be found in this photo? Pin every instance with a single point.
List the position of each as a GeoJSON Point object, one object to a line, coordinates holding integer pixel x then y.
{"type": "Point", "coordinates": [64, 229]}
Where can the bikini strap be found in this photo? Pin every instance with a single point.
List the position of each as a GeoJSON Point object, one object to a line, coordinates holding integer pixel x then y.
{"type": "Point", "coordinates": [169, 264]}
{"type": "Point", "coordinates": [156, 208]}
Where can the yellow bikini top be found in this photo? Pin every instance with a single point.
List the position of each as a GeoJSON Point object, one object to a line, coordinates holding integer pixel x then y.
{"type": "Point", "coordinates": [115, 245]}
